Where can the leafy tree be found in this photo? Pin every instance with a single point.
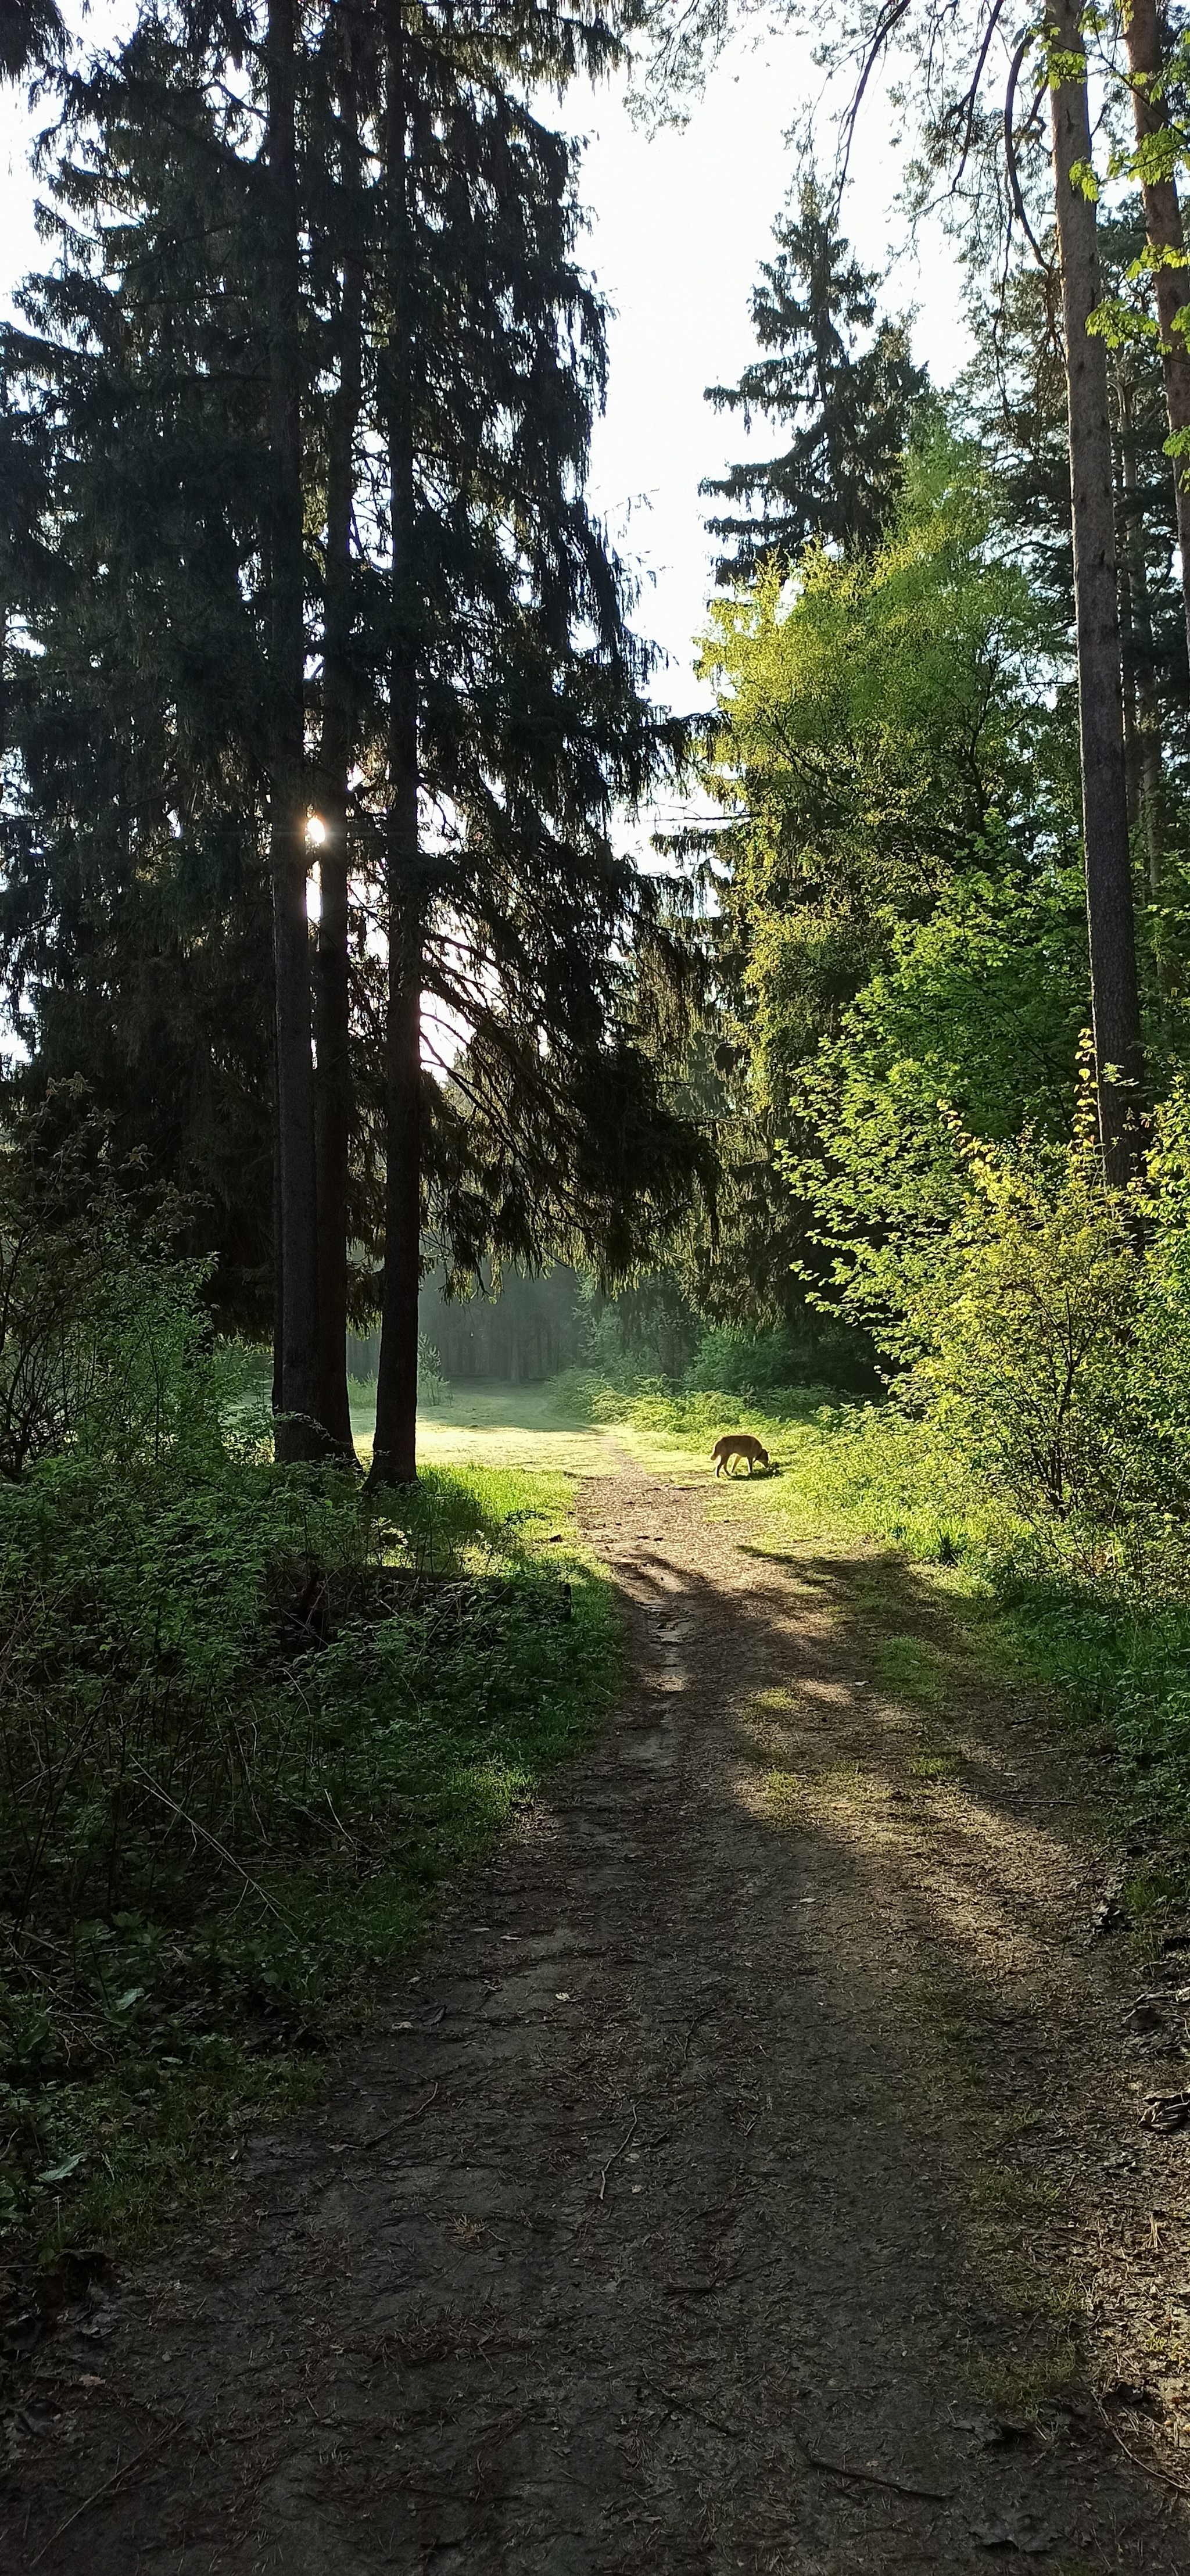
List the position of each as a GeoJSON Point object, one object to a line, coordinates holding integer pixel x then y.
{"type": "Point", "coordinates": [849, 407]}
{"type": "Point", "coordinates": [876, 735]}
{"type": "Point", "coordinates": [949, 50]}
{"type": "Point", "coordinates": [883, 740]}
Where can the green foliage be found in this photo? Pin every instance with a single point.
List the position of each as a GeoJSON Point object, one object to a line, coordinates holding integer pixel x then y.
{"type": "Point", "coordinates": [105, 1344]}
{"type": "Point", "coordinates": [691, 1416]}
{"type": "Point", "coordinates": [874, 729]}
{"type": "Point", "coordinates": [885, 753]}
{"type": "Point", "coordinates": [726, 1361]}
{"type": "Point", "coordinates": [1021, 1321]}
{"type": "Point", "coordinates": [431, 1383]}
{"type": "Point", "coordinates": [1041, 1322]}
{"type": "Point", "coordinates": [583, 1395]}
{"type": "Point", "coordinates": [247, 1725]}
{"type": "Point", "coordinates": [981, 1006]}
{"type": "Point", "coordinates": [875, 1470]}
{"type": "Point", "coordinates": [648, 1331]}
{"type": "Point", "coordinates": [760, 1364]}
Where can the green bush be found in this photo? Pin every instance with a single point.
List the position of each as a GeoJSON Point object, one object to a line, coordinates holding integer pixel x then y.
{"type": "Point", "coordinates": [878, 1469]}
{"type": "Point", "coordinates": [1043, 1334]}
{"type": "Point", "coordinates": [432, 1387]}
{"type": "Point", "coordinates": [582, 1395]}
{"type": "Point", "coordinates": [765, 1365]}
{"type": "Point", "coordinates": [105, 1340]}
{"type": "Point", "coordinates": [249, 1718]}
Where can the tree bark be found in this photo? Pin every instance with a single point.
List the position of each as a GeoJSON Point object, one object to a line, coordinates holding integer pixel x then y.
{"type": "Point", "coordinates": [1150, 764]}
{"type": "Point", "coordinates": [333, 1074]}
{"type": "Point", "coordinates": [394, 1458]}
{"type": "Point", "coordinates": [296, 1250]}
{"type": "Point", "coordinates": [1146, 37]}
{"type": "Point", "coordinates": [1115, 1008]}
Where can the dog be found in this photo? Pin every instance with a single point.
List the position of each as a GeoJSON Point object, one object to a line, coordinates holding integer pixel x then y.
{"type": "Point", "coordinates": [738, 1444]}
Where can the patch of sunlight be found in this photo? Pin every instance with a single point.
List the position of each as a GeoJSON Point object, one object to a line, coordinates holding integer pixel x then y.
{"type": "Point", "coordinates": [492, 1425]}
{"type": "Point", "coordinates": [661, 1455]}
{"type": "Point", "coordinates": [778, 1701]}
{"type": "Point", "coordinates": [978, 1887]}
{"type": "Point", "coordinates": [782, 1797]}
{"type": "Point", "coordinates": [789, 1797]}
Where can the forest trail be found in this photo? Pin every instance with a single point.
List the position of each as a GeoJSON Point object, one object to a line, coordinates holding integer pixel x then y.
{"type": "Point", "coordinates": [722, 2190]}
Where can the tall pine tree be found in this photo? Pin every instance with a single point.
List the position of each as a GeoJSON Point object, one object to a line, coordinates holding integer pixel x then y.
{"type": "Point", "coordinates": [845, 390]}
{"type": "Point", "coordinates": [473, 640]}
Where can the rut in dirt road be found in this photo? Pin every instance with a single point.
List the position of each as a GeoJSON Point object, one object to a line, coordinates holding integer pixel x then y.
{"type": "Point", "coordinates": [651, 2226]}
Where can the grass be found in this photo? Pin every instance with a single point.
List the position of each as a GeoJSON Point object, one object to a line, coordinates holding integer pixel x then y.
{"type": "Point", "coordinates": [496, 1426]}
{"type": "Point", "coordinates": [229, 1798]}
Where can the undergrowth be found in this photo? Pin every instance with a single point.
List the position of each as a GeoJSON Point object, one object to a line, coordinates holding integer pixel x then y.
{"type": "Point", "coordinates": [249, 1728]}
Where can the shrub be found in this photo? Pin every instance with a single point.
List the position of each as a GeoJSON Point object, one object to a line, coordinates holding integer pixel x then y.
{"type": "Point", "coordinates": [1046, 1338]}
{"type": "Point", "coordinates": [431, 1379]}
{"type": "Point", "coordinates": [587, 1397]}
{"type": "Point", "coordinates": [732, 1361]}
{"type": "Point", "coordinates": [105, 1341]}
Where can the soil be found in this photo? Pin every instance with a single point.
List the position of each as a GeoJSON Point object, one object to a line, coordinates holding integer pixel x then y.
{"type": "Point", "coordinates": [753, 2175]}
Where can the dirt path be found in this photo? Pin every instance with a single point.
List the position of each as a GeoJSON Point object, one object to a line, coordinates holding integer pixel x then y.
{"type": "Point", "coordinates": [734, 2186]}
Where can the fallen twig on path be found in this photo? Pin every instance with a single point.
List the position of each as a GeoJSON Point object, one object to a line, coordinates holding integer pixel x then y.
{"type": "Point", "coordinates": [419, 2107]}
{"type": "Point", "coordinates": [699, 2018]}
{"type": "Point", "coordinates": [1148, 2468]}
{"type": "Point", "coordinates": [682, 2406]}
{"type": "Point", "coordinates": [616, 2151]}
{"type": "Point", "coordinates": [872, 2478]}
{"type": "Point", "coordinates": [121, 2470]}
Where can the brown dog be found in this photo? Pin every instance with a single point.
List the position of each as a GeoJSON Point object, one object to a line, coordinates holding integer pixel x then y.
{"type": "Point", "coordinates": [738, 1444]}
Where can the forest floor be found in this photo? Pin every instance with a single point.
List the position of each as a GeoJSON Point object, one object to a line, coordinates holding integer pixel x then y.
{"type": "Point", "coordinates": [757, 2172]}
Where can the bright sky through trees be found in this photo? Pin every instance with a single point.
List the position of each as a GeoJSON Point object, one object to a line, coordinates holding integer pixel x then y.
{"type": "Point", "coordinates": [681, 220]}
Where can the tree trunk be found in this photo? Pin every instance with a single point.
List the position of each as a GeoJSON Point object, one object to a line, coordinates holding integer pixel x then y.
{"type": "Point", "coordinates": [1128, 645]}
{"type": "Point", "coordinates": [1146, 37]}
{"type": "Point", "coordinates": [333, 1075]}
{"type": "Point", "coordinates": [1150, 765]}
{"type": "Point", "coordinates": [1115, 1009]}
{"type": "Point", "coordinates": [394, 1460]}
{"type": "Point", "coordinates": [297, 1433]}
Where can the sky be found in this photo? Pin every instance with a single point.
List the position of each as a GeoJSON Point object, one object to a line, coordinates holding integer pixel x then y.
{"type": "Point", "coordinates": [680, 221]}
